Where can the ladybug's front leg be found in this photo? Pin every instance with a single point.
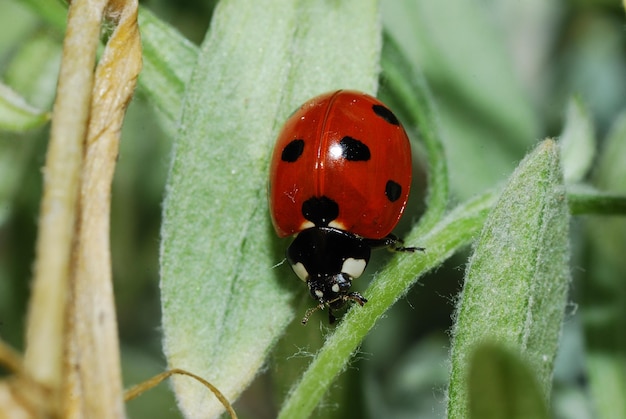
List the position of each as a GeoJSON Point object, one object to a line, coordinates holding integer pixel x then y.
{"type": "Point", "coordinates": [354, 296]}
{"type": "Point", "coordinates": [392, 243]}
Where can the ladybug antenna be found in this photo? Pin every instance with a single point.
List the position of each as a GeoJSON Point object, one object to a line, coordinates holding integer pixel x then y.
{"type": "Point", "coordinates": [310, 311]}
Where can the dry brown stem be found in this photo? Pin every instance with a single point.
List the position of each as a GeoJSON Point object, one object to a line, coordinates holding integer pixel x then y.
{"type": "Point", "coordinates": [139, 389]}
{"type": "Point", "coordinates": [72, 352]}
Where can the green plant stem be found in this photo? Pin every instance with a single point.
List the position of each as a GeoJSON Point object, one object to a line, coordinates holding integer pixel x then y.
{"type": "Point", "coordinates": [444, 239]}
{"type": "Point", "coordinates": [596, 203]}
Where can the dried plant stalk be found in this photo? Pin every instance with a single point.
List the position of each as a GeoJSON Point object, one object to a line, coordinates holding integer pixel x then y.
{"type": "Point", "coordinates": [64, 161]}
{"type": "Point", "coordinates": [94, 387]}
{"type": "Point", "coordinates": [72, 344]}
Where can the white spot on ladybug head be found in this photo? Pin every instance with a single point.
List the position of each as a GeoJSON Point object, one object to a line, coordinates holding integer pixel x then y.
{"type": "Point", "coordinates": [319, 293]}
{"type": "Point", "coordinates": [300, 270]}
{"type": "Point", "coordinates": [306, 224]}
{"type": "Point", "coordinates": [353, 267]}
{"type": "Point", "coordinates": [335, 288]}
{"type": "Point", "coordinates": [337, 225]}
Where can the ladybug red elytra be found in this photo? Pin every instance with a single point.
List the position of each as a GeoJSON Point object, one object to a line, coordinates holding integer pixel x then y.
{"type": "Point", "coordinates": [339, 180]}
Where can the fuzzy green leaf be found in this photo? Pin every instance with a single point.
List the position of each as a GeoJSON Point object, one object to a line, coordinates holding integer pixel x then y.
{"type": "Point", "coordinates": [168, 59]}
{"type": "Point", "coordinates": [517, 279]}
{"type": "Point", "coordinates": [224, 304]}
{"type": "Point", "coordinates": [502, 386]}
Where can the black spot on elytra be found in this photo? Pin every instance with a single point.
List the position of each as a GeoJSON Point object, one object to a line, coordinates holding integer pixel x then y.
{"type": "Point", "coordinates": [385, 114]}
{"type": "Point", "coordinates": [292, 151]}
{"type": "Point", "coordinates": [354, 150]}
{"type": "Point", "coordinates": [393, 190]}
{"type": "Point", "coordinates": [320, 210]}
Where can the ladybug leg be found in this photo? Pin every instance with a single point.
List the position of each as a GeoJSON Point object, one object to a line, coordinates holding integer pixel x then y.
{"type": "Point", "coordinates": [397, 247]}
{"type": "Point", "coordinates": [355, 296]}
{"type": "Point", "coordinates": [393, 243]}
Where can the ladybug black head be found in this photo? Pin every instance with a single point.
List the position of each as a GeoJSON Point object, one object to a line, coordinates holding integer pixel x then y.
{"type": "Point", "coordinates": [328, 290]}
{"type": "Point", "coordinates": [328, 259]}
{"type": "Point", "coordinates": [332, 292]}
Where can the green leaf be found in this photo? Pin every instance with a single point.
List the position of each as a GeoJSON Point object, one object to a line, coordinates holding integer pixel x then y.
{"type": "Point", "coordinates": [224, 302]}
{"type": "Point", "coordinates": [16, 115]}
{"type": "Point", "coordinates": [503, 386]}
{"type": "Point", "coordinates": [577, 142]}
{"type": "Point", "coordinates": [517, 278]}
{"type": "Point", "coordinates": [168, 59]}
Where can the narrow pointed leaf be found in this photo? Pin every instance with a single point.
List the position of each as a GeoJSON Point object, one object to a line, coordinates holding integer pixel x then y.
{"type": "Point", "coordinates": [224, 302]}
{"type": "Point", "coordinates": [517, 279]}
{"type": "Point", "coordinates": [168, 60]}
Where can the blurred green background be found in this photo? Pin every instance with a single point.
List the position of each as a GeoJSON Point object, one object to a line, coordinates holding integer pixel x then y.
{"type": "Point", "coordinates": [501, 73]}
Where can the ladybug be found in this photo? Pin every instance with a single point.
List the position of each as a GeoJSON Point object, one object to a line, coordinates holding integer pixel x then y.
{"type": "Point", "coordinates": [340, 177]}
